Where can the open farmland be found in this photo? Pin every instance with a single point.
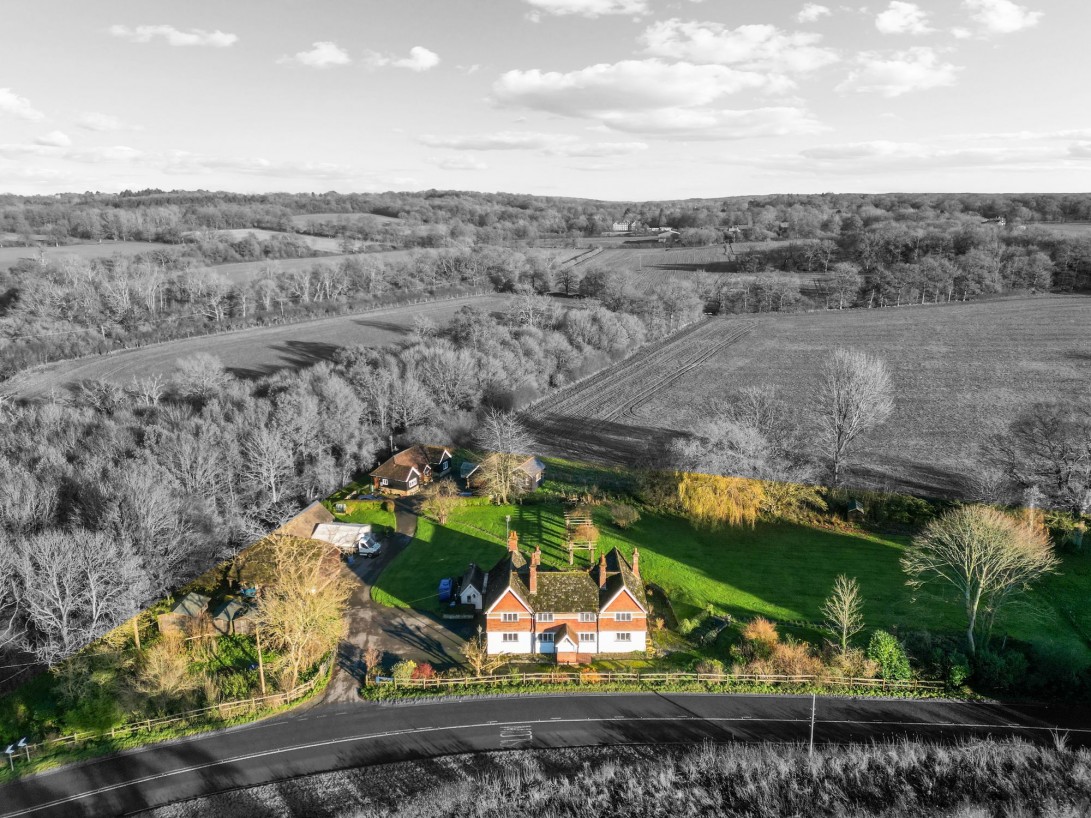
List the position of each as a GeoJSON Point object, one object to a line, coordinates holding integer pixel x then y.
{"type": "Point", "coordinates": [1073, 230]}
{"type": "Point", "coordinates": [320, 244]}
{"type": "Point", "coordinates": [960, 372]}
{"type": "Point", "coordinates": [105, 249]}
{"type": "Point", "coordinates": [241, 272]}
{"type": "Point", "coordinates": [651, 264]}
{"type": "Point", "coordinates": [250, 352]}
{"type": "Point", "coordinates": [595, 420]}
{"type": "Point", "coordinates": [305, 220]}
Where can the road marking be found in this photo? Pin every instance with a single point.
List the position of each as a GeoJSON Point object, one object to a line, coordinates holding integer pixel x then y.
{"type": "Point", "coordinates": [516, 735]}
{"type": "Point", "coordinates": [517, 724]}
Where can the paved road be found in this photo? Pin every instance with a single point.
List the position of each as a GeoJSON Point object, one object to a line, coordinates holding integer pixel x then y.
{"type": "Point", "coordinates": [339, 736]}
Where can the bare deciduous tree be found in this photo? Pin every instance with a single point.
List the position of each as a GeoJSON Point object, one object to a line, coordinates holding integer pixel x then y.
{"type": "Point", "coordinates": [843, 610]}
{"type": "Point", "coordinates": [985, 555]}
{"type": "Point", "coordinates": [852, 396]}
{"type": "Point", "coordinates": [440, 499]}
{"type": "Point", "coordinates": [506, 440]}
{"type": "Point", "coordinates": [477, 656]}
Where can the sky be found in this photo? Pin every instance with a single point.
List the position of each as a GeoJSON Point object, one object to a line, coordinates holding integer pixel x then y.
{"type": "Point", "coordinates": [608, 99]}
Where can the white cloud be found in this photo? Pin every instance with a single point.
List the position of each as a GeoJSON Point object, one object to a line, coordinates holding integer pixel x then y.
{"type": "Point", "coordinates": [183, 162]}
{"type": "Point", "coordinates": [550, 144]}
{"type": "Point", "coordinates": [915, 69]}
{"type": "Point", "coordinates": [113, 153]}
{"type": "Point", "coordinates": [885, 156]}
{"type": "Point", "coordinates": [459, 163]}
{"type": "Point", "coordinates": [812, 12]}
{"type": "Point", "coordinates": [323, 54]}
{"type": "Point", "coordinates": [960, 33]}
{"type": "Point", "coordinates": [1001, 16]}
{"type": "Point", "coordinates": [15, 105]}
{"type": "Point", "coordinates": [716, 124]}
{"type": "Point", "coordinates": [54, 139]}
{"type": "Point", "coordinates": [94, 121]}
{"type": "Point", "coordinates": [903, 18]}
{"type": "Point", "coordinates": [173, 36]}
{"type": "Point", "coordinates": [630, 85]}
{"type": "Point", "coordinates": [419, 59]}
{"type": "Point", "coordinates": [755, 47]}
{"type": "Point", "coordinates": [589, 8]}
{"type": "Point", "coordinates": [502, 141]}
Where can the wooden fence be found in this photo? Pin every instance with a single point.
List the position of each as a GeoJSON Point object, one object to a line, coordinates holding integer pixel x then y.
{"type": "Point", "coordinates": [620, 677]}
{"type": "Point", "coordinates": [217, 712]}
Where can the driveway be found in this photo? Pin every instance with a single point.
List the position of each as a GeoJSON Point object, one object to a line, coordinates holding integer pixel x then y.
{"type": "Point", "coordinates": [398, 633]}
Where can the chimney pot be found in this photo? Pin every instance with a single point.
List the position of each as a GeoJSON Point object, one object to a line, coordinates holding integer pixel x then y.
{"type": "Point", "coordinates": [533, 585]}
{"type": "Point", "coordinates": [636, 563]}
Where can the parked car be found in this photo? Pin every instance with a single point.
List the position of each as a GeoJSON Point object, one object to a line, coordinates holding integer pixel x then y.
{"type": "Point", "coordinates": [368, 546]}
{"type": "Point", "coordinates": [446, 589]}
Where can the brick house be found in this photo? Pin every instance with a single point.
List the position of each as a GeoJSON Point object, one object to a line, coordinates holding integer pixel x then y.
{"type": "Point", "coordinates": [573, 615]}
{"type": "Point", "coordinates": [411, 468]}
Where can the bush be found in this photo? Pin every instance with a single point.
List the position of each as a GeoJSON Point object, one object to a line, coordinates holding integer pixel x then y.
{"type": "Point", "coordinates": [388, 505]}
{"type": "Point", "coordinates": [958, 671]}
{"type": "Point", "coordinates": [710, 666]}
{"type": "Point", "coordinates": [423, 671]}
{"type": "Point", "coordinates": [403, 671]}
{"type": "Point", "coordinates": [888, 653]}
{"type": "Point", "coordinates": [687, 626]}
{"type": "Point", "coordinates": [234, 686]}
{"type": "Point", "coordinates": [623, 514]}
{"type": "Point", "coordinates": [999, 672]}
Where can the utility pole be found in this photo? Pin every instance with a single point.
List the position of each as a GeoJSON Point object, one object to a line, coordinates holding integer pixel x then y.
{"type": "Point", "coordinates": [136, 632]}
{"type": "Point", "coordinates": [261, 661]}
{"type": "Point", "coordinates": [810, 751]}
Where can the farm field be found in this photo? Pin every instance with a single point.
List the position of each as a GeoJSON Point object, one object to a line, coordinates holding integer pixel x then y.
{"type": "Point", "coordinates": [305, 220]}
{"type": "Point", "coordinates": [778, 570]}
{"type": "Point", "coordinates": [1068, 229]}
{"type": "Point", "coordinates": [961, 372]}
{"type": "Point", "coordinates": [241, 272]}
{"type": "Point", "coordinates": [319, 244]}
{"type": "Point", "coordinates": [654, 264]}
{"type": "Point", "coordinates": [246, 353]}
{"type": "Point", "coordinates": [106, 249]}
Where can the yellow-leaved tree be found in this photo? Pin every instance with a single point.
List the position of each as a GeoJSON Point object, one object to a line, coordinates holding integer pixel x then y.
{"type": "Point", "coordinates": [713, 500]}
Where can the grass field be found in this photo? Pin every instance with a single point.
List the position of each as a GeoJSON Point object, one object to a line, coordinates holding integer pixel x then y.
{"type": "Point", "coordinates": [781, 571]}
{"type": "Point", "coordinates": [960, 373]}
{"type": "Point", "coordinates": [1070, 229]}
{"type": "Point", "coordinates": [305, 220]}
{"type": "Point", "coordinates": [106, 249]}
{"type": "Point", "coordinates": [320, 244]}
{"type": "Point", "coordinates": [249, 352]}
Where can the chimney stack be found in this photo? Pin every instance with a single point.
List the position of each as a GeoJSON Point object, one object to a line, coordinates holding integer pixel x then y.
{"type": "Point", "coordinates": [536, 557]}
{"type": "Point", "coordinates": [602, 571]}
{"type": "Point", "coordinates": [532, 586]}
{"type": "Point", "coordinates": [513, 542]}
{"type": "Point", "coordinates": [636, 563]}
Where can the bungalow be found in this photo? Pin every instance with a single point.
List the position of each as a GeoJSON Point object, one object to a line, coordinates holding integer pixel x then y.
{"type": "Point", "coordinates": [572, 615]}
{"type": "Point", "coordinates": [531, 473]}
{"type": "Point", "coordinates": [409, 469]}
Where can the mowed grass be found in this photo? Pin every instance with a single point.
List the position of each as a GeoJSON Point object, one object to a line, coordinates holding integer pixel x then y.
{"type": "Point", "coordinates": [781, 571]}
{"type": "Point", "coordinates": [961, 372]}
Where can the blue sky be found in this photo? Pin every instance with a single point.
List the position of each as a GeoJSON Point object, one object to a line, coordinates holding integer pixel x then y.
{"type": "Point", "coordinates": [614, 99]}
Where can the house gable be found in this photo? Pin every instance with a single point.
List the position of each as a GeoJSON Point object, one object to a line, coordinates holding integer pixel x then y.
{"type": "Point", "coordinates": [508, 602]}
{"type": "Point", "coordinates": [623, 601]}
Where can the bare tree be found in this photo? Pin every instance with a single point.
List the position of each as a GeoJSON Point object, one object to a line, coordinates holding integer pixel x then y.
{"type": "Point", "coordinates": [853, 395]}
{"type": "Point", "coordinates": [440, 499]}
{"type": "Point", "coordinates": [506, 441]}
{"type": "Point", "coordinates": [477, 656]}
{"type": "Point", "coordinates": [268, 462]}
{"type": "Point", "coordinates": [200, 376]}
{"type": "Point", "coordinates": [843, 610]}
{"type": "Point", "coordinates": [985, 556]}
{"type": "Point", "coordinates": [301, 609]}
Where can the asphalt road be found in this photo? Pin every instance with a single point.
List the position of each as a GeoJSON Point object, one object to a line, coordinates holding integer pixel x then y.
{"type": "Point", "coordinates": [340, 736]}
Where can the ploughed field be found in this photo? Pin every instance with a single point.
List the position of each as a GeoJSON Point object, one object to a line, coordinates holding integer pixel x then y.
{"type": "Point", "coordinates": [249, 352]}
{"type": "Point", "coordinates": [961, 372]}
{"type": "Point", "coordinates": [9, 255]}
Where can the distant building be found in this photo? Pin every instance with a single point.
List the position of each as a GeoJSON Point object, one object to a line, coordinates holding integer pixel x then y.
{"type": "Point", "coordinates": [409, 469]}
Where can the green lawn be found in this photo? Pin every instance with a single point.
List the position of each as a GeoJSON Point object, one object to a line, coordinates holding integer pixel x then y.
{"type": "Point", "coordinates": [781, 571]}
{"type": "Point", "coordinates": [364, 511]}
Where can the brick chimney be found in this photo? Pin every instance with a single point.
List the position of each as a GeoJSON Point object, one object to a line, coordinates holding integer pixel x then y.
{"type": "Point", "coordinates": [536, 557]}
{"type": "Point", "coordinates": [532, 585]}
{"type": "Point", "coordinates": [513, 542]}
{"type": "Point", "coordinates": [636, 563]}
{"type": "Point", "coordinates": [602, 571]}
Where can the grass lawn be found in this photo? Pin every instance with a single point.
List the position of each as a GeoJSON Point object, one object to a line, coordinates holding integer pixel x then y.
{"type": "Point", "coordinates": [781, 571]}
{"type": "Point", "coordinates": [365, 511]}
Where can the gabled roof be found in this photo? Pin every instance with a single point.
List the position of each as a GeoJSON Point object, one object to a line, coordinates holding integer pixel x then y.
{"type": "Point", "coordinates": [232, 609]}
{"type": "Point", "coordinates": [567, 632]}
{"type": "Point", "coordinates": [504, 576]}
{"type": "Point", "coordinates": [436, 454]}
{"type": "Point", "coordinates": [620, 577]}
{"type": "Point", "coordinates": [474, 577]}
{"type": "Point", "coordinates": [401, 466]}
{"type": "Point", "coordinates": [467, 468]}
{"type": "Point", "coordinates": [191, 604]}
{"type": "Point", "coordinates": [532, 466]}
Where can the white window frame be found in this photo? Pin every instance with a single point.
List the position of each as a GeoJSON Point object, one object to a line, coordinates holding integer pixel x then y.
{"type": "Point", "coordinates": [587, 637]}
{"type": "Point", "coordinates": [625, 616]}
{"type": "Point", "coordinates": [587, 617]}
{"type": "Point", "coordinates": [623, 636]}
{"type": "Point", "coordinates": [509, 617]}
{"type": "Point", "coordinates": [509, 637]}
{"type": "Point", "coordinates": [544, 617]}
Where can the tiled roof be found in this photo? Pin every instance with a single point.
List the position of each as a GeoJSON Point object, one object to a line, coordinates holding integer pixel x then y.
{"type": "Point", "coordinates": [565, 592]}
{"type": "Point", "coordinates": [402, 463]}
{"type": "Point", "coordinates": [619, 574]}
{"type": "Point", "coordinates": [532, 466]}
{"type": "Point", "coordinates": [504, 575]}
{"type": "Point", "coordinates": [474, 576]}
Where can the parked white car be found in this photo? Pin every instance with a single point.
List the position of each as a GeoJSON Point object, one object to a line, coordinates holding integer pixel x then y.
{"type": "Point", "coordinates": [368, 546]}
